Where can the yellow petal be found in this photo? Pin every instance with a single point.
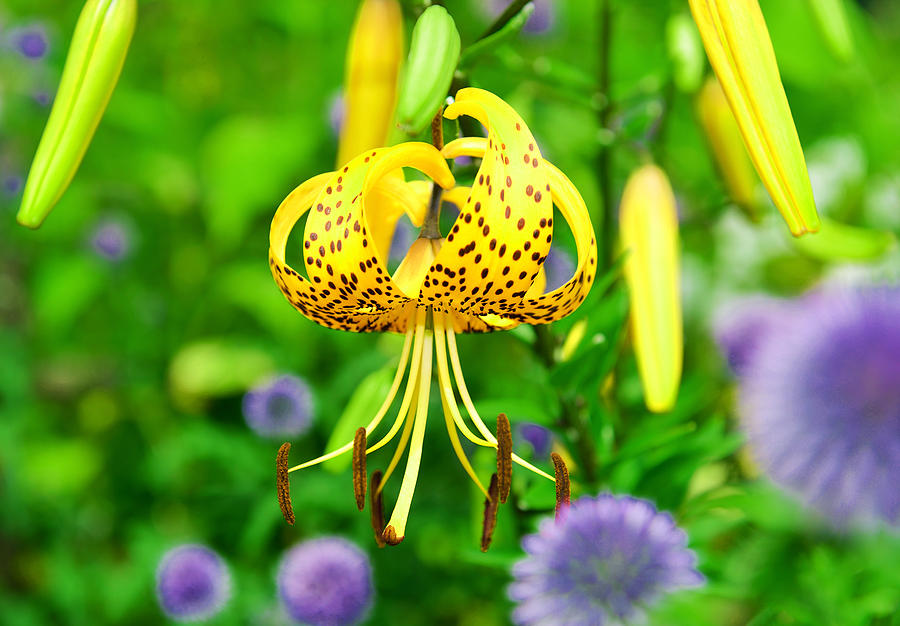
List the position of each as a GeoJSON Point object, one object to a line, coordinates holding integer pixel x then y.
{"type": "Point", "coordinates": [340, 256]}
{"type": "Point", "coordinates": [504, 230]}
{"type": "Point", "coordinates": [740, 51]}
{"type": "Point", "coordinates": [649, 232]}
{"type": "Point", "coordinates": [370, 86]}
{"type": "Point", "coordinates": [727, 146]}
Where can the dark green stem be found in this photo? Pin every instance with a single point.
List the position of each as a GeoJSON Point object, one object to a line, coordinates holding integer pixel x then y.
{"type": "Point", "coordinates": [510, 12]}
{"type": "Point", "coordinates": [431, 227]}
{"type": "Point", "coordinates": [607, 226]}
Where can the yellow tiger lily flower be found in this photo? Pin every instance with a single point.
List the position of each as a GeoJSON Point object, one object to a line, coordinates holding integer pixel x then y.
{"type": "Point", "coordinates": [737, 43]}
{"type": "Point", "coordinates": [479, 278]}
{"type": "Point", "coordinates": [648, 227]}
{"type": "Point", "coordinates": [374, 57]}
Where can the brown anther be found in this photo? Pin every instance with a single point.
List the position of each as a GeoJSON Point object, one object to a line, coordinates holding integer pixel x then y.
{"type": "Point", "coordinates": [283, 483]}
{"type": "Point", "coordinates": [504, 457]}
{"type": "Point", "coordinates": [562, 483]}
{"type": "Point", "coordinates": [490, 514]}
{"type": "Point", "coordinates": [359, 468]}
{"type": "Point", "coordinates": [390, 536]}
{"type": "Point", "coordinates": [376, 508]}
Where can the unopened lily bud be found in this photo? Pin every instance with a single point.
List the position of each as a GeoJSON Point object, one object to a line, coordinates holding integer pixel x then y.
{"type": "Point", "coordinates": [727, 146]}
{"type": "Point", "coordinates": [686, 52]}
{"type": "Point", "coordinates": [370, 84]}
{"type": "Point", "coordinates": [433, 55]}
{"type": "Point", "coordinates": [649, 232]}
{"type": "Point", "coordinates": [740, 51]}
{"type": "Point", "coordinates": [841, 242]}
{"type": "Point", "coordinates": [93, 65]}
{"type": "Point", "coordinates": [832, 18]}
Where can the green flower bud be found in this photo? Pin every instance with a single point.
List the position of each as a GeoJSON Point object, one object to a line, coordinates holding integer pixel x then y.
{"type": "Point", "coordinates": [433, 54]}
{"type": "Point", "coordinates": [92, 68]}
{"type": "Point", "coordinates": [686, 52]}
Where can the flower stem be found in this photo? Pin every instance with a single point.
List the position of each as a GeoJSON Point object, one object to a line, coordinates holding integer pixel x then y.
{"type": "Point", "coordinates": [431, 226]}
{"type": "Point", "coordinates": [510, 12]}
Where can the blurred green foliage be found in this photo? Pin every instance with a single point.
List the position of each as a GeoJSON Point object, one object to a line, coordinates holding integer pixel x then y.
{"type": "Point", "coordinates": [121, 431]}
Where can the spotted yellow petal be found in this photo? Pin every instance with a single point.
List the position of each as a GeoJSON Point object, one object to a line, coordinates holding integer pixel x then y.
{"type": "Point", "coordinates": [339, 253]}
{"type": "Point", "coordinates": [740, 51]}
{"type": "Point", "coordinates": [504, 230]}
{"type": "Point", "coordinates": [303, 295]}
{"type": "Point", "coordinates": [649, 231]}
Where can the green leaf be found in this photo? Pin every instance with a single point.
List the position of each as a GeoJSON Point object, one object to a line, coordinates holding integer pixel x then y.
{"type": "Point", "coordinates": [363, 405]}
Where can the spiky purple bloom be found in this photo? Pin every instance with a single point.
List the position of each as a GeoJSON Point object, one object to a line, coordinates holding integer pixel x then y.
{"type": "Point", "coordinates": [111, 240]}
{"type": "Point", "coordinates": [606, 560]}
{"type": "Point", "coordinates": [741, 325]}
{"type": "Point", "coordinates": [326, 582]}
{"type": "Point", "coordinates": [539, 438]}
{"type": "Point", "coordinates": [280, 407]}
{"type": "Point", "coordinates": [31, 42]}
{"type": "Point", "coordinates": [820, 403]}
{"type": "Point", "coordinates": [192, 583]}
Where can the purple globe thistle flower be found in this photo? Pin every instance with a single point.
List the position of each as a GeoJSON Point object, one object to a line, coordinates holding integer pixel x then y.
{"type": "Point", "coordinates": [192, 583]}
{"type": "Point", "coordinates": [539, 438]}
{"type": "Point", "coordinates": [279, 408]}
{"type": "Point", "coordinates": [326, 582]}
{"type": "Point", "coordinates": [31, 42]}
{"type": "Point", "coordinates": [111, 240]}
{"type": "Point", "coordinates": [820, 403]}
{"type": "Point", "coordinates": [741, 325]}
{"type": "Point", "coordinates": [542, 19]}
{"type": "Point", "coordinates": [558, 267]}
{"type": "Point", "coordinates": [603, 562]}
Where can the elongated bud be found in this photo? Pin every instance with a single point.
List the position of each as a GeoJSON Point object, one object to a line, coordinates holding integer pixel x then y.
{"type": "Point", "coordinates": [686, 52]}
{"type": "Point", "coordinates": [840, 242]}
{"type": "Point", "coordinates": [740, 51]}
{"type": "Point", "coordinates": [93, 65]}
{"type": "Point", "coordinates": [370, 85]}
{"type": "Point", "coordinates": [832, 18]}
{"type": "Point", "coordinates": [433, 55]}
{"type": "Point", "coordinates": [649, 232]}
{"type": "Point", "coordinates": [724, 138]}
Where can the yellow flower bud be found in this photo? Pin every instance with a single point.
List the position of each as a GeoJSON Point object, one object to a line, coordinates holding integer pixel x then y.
{"type": "Point", "coordinates": [727, 146]}
{"type": "Point", "coordinates": [649, 235]}
{"type": "Point", "coordinates": [739, 49]}
{"type": "Point", "coordinates": [370, 85]}
{"type": "Point", "coordinates": [93, 65]}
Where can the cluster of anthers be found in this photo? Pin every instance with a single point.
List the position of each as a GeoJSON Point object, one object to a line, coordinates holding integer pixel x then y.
{"type": "Point", "coordinates": [485, 275]}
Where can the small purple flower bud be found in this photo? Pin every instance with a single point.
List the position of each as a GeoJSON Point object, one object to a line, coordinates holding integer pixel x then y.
{"type": "Point", "coordinates": [539, 438]}
{"type": "Point", "coordinates": [192, 583]}
{"type": "Point", "coordinates": [111, 240]}
{"type": "Point", "coordinates": [336, 112]}
{"type": "Point", "coordinates": [404, 237]}
{"type": "Point", "coordinates": [602, 561]}
{"type": "Point", "coordinates": [12, 184]}
{"type": "Point", "coordinates": [326, 582]}
{"type": "Point", "coordinates": [31, 42]}
{"type": "Point", "coordinates": [558, 267]}
{"type": "Point", "coordinates": [279, 408]}
{"type": "Point", "coordinates": [542, 20]}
